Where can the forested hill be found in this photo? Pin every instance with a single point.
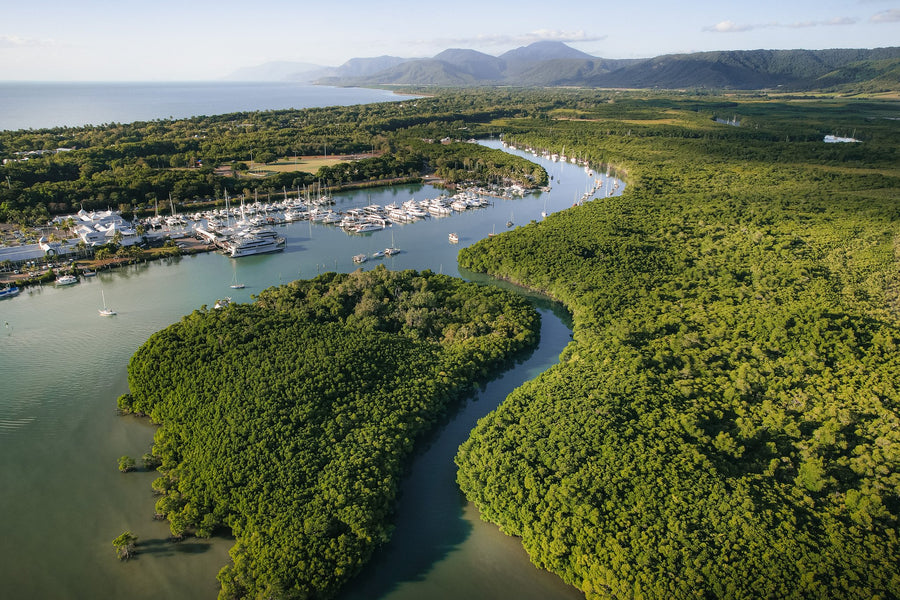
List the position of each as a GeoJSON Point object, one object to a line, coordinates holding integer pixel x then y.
{"type": "Point", "coordinates": [555, 64]}
{"type": "Point", "coordinates": [726, 423]}
{"type": "Point", "coordinates": [291, 420]}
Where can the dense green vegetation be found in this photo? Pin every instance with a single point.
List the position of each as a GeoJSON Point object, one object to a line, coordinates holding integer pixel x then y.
{"type": "Point", "coordinates": [134, 166]}
{"type": "Point", "coordinates": [125, 545]}
{"type": "Point", "coordinates": [725, 423]}
{"type": "Point", "coordinates": [291, 420]}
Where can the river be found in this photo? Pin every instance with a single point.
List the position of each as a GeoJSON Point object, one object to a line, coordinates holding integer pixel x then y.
{"type": "Point", "coordinates": [62, 368]}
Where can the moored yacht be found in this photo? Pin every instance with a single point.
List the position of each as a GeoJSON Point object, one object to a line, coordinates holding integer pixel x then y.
{"type": "Point", "coordinates": [248, 244]}
{"type": "Point", "coordinates": [9, 292]}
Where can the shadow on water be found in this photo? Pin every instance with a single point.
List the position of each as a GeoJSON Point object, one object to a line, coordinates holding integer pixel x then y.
{"type": "Point", "coordinates": [416, 545]}
{"type": "Point", "coordinates": [170, 547]}
{"type": "Point", "coordinates": [538, 300]}
{"type": "Point", "coordinates": [430, 520]}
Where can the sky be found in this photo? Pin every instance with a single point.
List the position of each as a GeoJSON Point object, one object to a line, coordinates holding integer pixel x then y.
{"type": "Point", "coordinates": [168, 40]}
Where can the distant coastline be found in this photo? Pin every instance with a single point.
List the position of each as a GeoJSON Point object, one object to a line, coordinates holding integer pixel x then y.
{"type": "Point", "coordinates": [44, 105]}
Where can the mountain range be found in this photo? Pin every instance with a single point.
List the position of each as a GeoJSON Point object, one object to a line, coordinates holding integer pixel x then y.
{"type": "Point", "coordinates": [549, 64]}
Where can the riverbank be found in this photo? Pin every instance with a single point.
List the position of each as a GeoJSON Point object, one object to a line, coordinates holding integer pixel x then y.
{"type": "Point", "coordinates": [43, 268]}
{"type": "Point", "coordinates": [79, 267]}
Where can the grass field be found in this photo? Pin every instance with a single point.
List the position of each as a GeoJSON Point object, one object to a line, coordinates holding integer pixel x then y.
{"type": "Point", "coordinates": [307, 164]}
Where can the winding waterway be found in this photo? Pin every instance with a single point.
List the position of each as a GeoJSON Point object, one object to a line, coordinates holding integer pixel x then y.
{"type": "Point", "coordinates": [62, 368]}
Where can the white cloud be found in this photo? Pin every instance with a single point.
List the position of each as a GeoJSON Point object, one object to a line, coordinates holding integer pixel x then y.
{"type": "Point", "coordinates": [14, 41]}
{"type": "Point", "coordinates": [886, 16]}
{"type": "Point", "coordinates": [834, 21]}
{"type": "Point", "coordinates": [732, 27]}
{"type": "Point", "coordinates": [729, 27]}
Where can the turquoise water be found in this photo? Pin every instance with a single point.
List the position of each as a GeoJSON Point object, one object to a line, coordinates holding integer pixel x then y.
{"type": "Point", "coordinates": [62, 366]}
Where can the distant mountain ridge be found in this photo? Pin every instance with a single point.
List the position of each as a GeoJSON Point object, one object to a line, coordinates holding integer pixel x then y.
{"type": "Point", "coordinates": [550, 64]}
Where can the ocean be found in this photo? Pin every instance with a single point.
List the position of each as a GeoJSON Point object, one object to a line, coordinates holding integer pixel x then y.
{"type": "Point", "coordinates": [30, 105]}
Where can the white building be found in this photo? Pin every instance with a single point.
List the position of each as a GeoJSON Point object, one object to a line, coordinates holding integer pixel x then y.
{"type": "Point", "coordinates": [100, 227]}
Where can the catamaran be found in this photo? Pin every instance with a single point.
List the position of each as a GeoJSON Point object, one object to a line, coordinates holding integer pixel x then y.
{"type": "Point", "coordinates": [392, 249]}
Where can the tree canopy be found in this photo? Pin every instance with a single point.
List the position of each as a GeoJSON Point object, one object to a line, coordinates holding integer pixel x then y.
{"type": "Point", "coordinates": [291, 420]}
{"type": "Point", "coordinates": [725, 423]}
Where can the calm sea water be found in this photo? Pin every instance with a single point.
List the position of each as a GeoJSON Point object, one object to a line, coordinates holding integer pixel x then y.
{"type": "Point", "coordinates": [41, 105]}
{"type": "Point", "coordinates": [62, 368]}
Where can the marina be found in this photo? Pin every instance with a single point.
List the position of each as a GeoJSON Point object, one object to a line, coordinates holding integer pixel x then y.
{"type": "Point", "coordinates": [250, 228]}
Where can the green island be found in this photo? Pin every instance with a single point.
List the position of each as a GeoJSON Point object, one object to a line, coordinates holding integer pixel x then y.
{"type": "Point", "coordinates": [724, 424]}
{"type": "Point", "coordinates": [291, 420]}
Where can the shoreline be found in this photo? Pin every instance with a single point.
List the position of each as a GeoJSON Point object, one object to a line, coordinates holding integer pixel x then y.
{"type": "Point", "coordinates": [188, 246]}
{"type": "Point", "coordinates": [183, 245]}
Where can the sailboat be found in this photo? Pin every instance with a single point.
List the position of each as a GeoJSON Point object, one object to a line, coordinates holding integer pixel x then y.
{"type": "Point", "coordinates": [235, 285]}
{"type": "Point", "coordinates": [392, 249]}
{"type": "Point", "coordinates": [105, 311]}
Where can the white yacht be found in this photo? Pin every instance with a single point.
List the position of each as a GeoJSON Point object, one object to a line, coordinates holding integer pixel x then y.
{"type": "Point", "coordinates": [368, 226]}
{"type": "Point", "coordinates": [248, 244]}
